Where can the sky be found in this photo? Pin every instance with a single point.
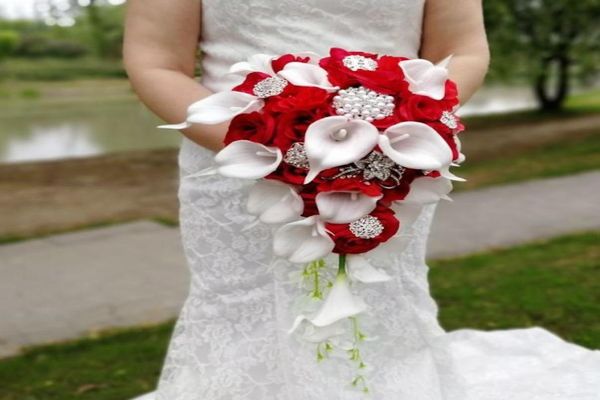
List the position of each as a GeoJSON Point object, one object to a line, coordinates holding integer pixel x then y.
{"type": "Point", "coordinates": [25, 8]}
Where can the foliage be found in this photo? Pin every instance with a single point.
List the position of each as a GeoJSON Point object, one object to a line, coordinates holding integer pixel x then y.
{"type": "Point", "coordinates": [53, 69]}
{"type": "Point", "coordinates": [8, 43]}
{"type": "Point", "coordinates": [37, 46]}
{"type": "Point", "coordinates": [548, 43]}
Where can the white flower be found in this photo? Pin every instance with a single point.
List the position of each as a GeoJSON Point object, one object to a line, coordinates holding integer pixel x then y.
{"type": "Point", "coordinates": [425, 78]}
{"type": "Point", "coordinates": [255, 63]}
{"type": "Point", "coordinates": [415, 145]}
{"type": "Point", "coordinates": [305, 74]}
{"type": "Point", "coordinates": [248, 160]}
{"type": "Point", "coordinates": [339, 304]}
{"type": "Point", "coordinates": [219, 107]}
{"type": "Point", "coordinates": [334, 141]}
{"type": "Point", "coordinates": [428, 190]}
{"type": "Point", "coordinates": [344, 207]}
{"type": "Point", "coordinates": [303, 241]}
{"type": "Point", "coordinates": [274, 202]}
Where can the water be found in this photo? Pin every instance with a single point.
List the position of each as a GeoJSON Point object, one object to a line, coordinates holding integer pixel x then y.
{"type": "Point", "coordinates": [33, 131]}
{"type": "Point", "coordinates": [73, 130]}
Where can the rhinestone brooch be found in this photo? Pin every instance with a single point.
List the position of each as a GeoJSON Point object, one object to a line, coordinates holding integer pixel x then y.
{"type": "Point", "coordinates": [449, 120]}
{"type": "Point", "coordinates": [296, 156]}
{"type": "Point", "coordinates": [356, 62]}
{"type": "Point", "coordinates": [269, 87]}
{"type": "Point", "coordinates": [375, 166]}
{"type": "Point", "coordinates": [367, 227]}
{"type": "Point", "coordinates": [362, 103]}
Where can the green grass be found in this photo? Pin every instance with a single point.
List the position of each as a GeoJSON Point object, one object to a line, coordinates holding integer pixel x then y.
{"type": "Point", "coordinates": [554, 284]}
{"type": "Point", "coordinates": [115, 366]}
{"type": "Point", "coordinates": [557, 159]}
{"type": "Point", "coordinates": [57, 69]}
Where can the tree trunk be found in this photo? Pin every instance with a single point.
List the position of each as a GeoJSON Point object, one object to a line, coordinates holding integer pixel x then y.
{"type": "Point", "coordinates": [552, 98]}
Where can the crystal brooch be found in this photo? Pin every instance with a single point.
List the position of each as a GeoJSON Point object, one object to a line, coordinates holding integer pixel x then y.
{"type": "Point", "coordinates": [296, 156]}
{"type": "Point", "coordinates": [356, 62]}
{"type": "Point", "coordinates": [367, 227]}
{"type": "Point", "coordinates": [449, 120]}
{"type": "Point", "coordinates": [269, 87]}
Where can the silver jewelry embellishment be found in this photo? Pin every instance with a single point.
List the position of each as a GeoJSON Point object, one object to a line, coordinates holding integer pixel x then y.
{"type": "Point", "coordinates": [362, 103]}
{"type": "Point", "coordinates": [449, 120]}
{"type": "Point", "coordinates": [296, 156]}
{"type": "Point", "coordinates": [268, 87]}
{"type": "Point", "coordinates": [367, 227]}
{"type": "Point", "coordinates": [356, 62]}
{"type": "Point", "coordinates": [375, 166]}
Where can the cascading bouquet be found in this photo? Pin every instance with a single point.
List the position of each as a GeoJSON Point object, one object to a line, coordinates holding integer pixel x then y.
{"type": "Point", "coordinates": [346, 149]}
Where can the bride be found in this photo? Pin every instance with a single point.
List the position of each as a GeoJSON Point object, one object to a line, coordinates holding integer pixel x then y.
{"type": "Point", "coordinates": [231, 340]}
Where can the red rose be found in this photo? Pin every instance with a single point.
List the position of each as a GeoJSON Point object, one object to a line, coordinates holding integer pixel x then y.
{"type": "Point", "coordinates": [347, 184]}
{"type": "Point", "coordinates": [289, 174]}
{"type": "Point", "coordinates": [338, 74]}
{"type": "Point", "coordinates": [401, 191]}
{"type": "Point", "coordinates": [309, 194]}
{"type": "Point", "coordinates": [346, 242]}
{"type": "Point", "coordinates": [295, 98]}
{"type": "Point", "coordinates": [291, 126]}
{"type": "Point", "coordinates": [255, 126]}
{"type": "Point", "coordinates": [387, 78]}
{"type": "Point", "coordinates": [279, 63]}
{"type": "Point", "coordinates": [421, 108]}
{"type": "Point", "coordinates": [251, 80]}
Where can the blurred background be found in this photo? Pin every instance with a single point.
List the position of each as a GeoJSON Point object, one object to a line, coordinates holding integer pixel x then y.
{"type": "Point", "coordinates": [91, 269]}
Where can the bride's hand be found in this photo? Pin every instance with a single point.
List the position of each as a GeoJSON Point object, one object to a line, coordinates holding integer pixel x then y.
{"type": "Point", "coordinates": [161, 42]}
{"type": "Point", "coordinates": [456, 28]}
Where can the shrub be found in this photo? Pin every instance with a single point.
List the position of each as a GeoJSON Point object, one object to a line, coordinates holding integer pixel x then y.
{"type": "Point", "coordinates": [8, 43]}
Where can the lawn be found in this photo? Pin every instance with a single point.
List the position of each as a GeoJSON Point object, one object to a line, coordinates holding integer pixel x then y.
{"type": "Point", "coordinates": [553, 284]}
{"type": "Point", "coordinates": [578, 154]}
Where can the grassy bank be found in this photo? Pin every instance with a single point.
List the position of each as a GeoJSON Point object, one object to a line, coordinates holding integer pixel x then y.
{"type": "Point", "coordinates": [578, 154]}
{"type": "Point", "coordinates": [542, 284]}
{"type": "Point", "coordinates": [57, 69]}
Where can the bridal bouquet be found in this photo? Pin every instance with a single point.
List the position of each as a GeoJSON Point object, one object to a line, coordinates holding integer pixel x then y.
{"type": "Point", "coordinates": [345, 150]}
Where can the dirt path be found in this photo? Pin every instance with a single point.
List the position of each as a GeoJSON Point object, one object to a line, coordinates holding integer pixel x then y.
{"type": "Point", "coordinates": [47, 197]}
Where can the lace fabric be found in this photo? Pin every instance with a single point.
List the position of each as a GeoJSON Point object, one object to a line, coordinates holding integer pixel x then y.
{"type": "Point", "coordinates": [231, 340]}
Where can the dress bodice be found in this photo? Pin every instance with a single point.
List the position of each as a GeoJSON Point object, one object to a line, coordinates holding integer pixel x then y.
{"type": "Point", "coordinates": [233, 30]}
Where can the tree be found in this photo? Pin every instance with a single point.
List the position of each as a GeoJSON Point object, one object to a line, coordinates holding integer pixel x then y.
{"type": "Point", "coordinates": [549, 42]}
{"type": "Point", "coordinates": [8, 43]}
{"type": "Point", "coordinates": [102, 21]}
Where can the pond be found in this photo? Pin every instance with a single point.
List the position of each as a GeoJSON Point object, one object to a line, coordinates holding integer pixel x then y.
{"type": "Point", "coordinates": [36, 130]}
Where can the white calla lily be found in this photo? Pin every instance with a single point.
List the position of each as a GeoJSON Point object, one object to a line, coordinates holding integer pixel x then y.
{"type": "Point", "coordinates": [303, 241]}
{"type": "Point", "coordinates": [274, 202]}
{"type": "Point", "coordinates": [248, 160]}
{"type": "Point", "coordinates": [428, 190]}
{"type": "Point", "coordinates": [344, 207]}
{"type": "Point", "coordinates": [334, 141]}
{"type": "Point", "coordinates": [425, 78]}
{"type": "Point", "coordinates": [445, 172]}
{"type": "Point", "coordinates": [306, 74]}
{"type": "Point", "coordinates": [339, 304]}
{"type": "Point", "coordinates": [219, 107]}
{"type": "Point", "coordinates": [359, 269]}
{"type": "Point", "coordinates": [415, 145]}
{"type": "Point", "coordinates": [461, 156]}
{"type": "Point", "coordinates": [255, 63]}
{"type": "Point", "coordinates": [315, 334]}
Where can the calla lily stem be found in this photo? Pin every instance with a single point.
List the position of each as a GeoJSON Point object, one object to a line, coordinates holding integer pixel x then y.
{"type": "Point", "coordinates": [342, 265]}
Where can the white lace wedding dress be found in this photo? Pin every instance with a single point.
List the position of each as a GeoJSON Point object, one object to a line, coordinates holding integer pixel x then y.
{"type": "Point", "coordinates": [231, 340]}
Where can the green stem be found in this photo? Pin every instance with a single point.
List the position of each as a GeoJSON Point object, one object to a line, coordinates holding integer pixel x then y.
{"type": "Point", "coordinates": [342, 264]}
